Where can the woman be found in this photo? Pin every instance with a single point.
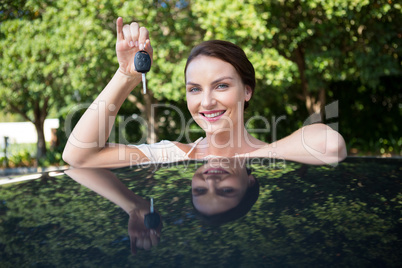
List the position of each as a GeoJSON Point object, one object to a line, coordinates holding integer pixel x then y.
{"type": "Point", "coordinates": [219, 83]}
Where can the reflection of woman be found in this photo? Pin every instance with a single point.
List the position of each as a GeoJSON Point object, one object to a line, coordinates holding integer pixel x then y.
{"type": "Point", "coordinates": [105, 183]}
{"type": "Point", "coordinates": [220, 82]}
{"type": "Point", "coordinates": [223, 190]}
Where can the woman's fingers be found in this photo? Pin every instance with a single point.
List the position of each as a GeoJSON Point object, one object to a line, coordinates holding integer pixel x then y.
{"type": "Point", "coordinates": [146, 243]}
{"type": "Point", "coordinates": [148, 47]}
{"type": "Point", "coordinates": [119, 29]}
{"type": "Point", "coordinates": [135, 31]}
{"type": "Point", "coordinates": [154, 238]}
{"type": "Point", "coordinates": [144, 36]}
{"type": "Point", "coordinates": [134, 35]}
{"type": "Point", "coordinates": [140, 242]}
{"type": "Point", "coordinates": [130, 39]}
{"type": "Point", "coordinates": [131, 33]}
{"type": "Point", "coordinates": [133, 245]}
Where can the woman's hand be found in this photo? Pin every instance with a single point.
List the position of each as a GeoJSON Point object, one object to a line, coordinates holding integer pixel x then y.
{"type": "Point", "coordinates": [131, 38]}
{"type": "Point", "coordinates": [140, 236]}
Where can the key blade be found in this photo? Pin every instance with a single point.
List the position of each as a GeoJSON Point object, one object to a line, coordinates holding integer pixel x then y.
{"type": "Point", "coordinates": [144, 84]}
{"type": "Point", "coordinates": [152, 205]}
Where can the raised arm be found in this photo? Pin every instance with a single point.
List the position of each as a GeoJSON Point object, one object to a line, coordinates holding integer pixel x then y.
{"type": "Point", "coordinates": [86, 146]}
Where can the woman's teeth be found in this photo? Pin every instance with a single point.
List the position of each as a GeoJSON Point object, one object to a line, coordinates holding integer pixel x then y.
{"type": "Point", "coordinates": [213, 114]}
{"type": "Point", "coordinates": [216, 172]}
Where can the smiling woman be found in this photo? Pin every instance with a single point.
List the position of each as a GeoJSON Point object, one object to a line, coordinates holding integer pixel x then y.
{"type": "Point", "coordinates": [220, 82]}
{"type": "Point", "coordinates": [216, 96]}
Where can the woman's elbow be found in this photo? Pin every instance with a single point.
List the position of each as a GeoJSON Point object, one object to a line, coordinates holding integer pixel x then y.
{"type": "Point", "coordinates": [72, 158]}
{"type": "Point", "coordinates": [67, 157]}
{"type": "Point", "coordinates": [335, 146]}
{"type": "Point", "coordinates": [324, 143]}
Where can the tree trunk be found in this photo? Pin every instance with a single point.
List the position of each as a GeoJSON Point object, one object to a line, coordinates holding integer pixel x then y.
{"type": "Point", "coordinates": [146, 110]}
{"type": "Point", "coordinates": [152, 122]}
{"type": "Point", "coordinates": [40, 114]}
{"type": "Point", "coordinates": [41, 144]}
{"type": "Point", "coordinates": [313, 104]}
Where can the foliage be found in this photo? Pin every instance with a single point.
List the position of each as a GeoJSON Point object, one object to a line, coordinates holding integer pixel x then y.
{"type": "Point", "coordinates": [23, 155]}
{"type": "Point", "coordinates": [56, 55]}
{"type": "Point", "coordinates": [48, 57]}
{"type": "Point", "coordinates": [19, 155]}
{"type": "Point", "coordinates": [301, 48]}
{"type": "Point", "coordinates": [19, 159]}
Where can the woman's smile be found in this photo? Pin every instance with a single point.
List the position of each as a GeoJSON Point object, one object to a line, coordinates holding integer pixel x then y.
{"type": "Point", "coordinates": [215, 92]}
{"type": "Point", "coordinates": [212, 116]}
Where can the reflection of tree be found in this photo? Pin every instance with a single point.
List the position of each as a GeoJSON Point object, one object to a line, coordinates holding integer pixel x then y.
{"type": "Point", "coordinates": [55, 222]}
{"type": "Point", "coordinates": [305, 216]}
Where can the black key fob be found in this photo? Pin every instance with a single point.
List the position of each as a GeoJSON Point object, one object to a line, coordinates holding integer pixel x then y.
{"type": "Point", "coordinates": [152, 220]}
{"type": "Point", "coordinates": [142, 61]}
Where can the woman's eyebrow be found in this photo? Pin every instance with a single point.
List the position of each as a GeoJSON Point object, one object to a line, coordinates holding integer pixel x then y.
{"type": "Point", "coordinates": [191, 83]}
{"type": "Point", "coordinates": [222, 78]}
{"type": "Point", "coordinates": [228, 195]}
{"type": "Point", "coordinates": [213, 82]}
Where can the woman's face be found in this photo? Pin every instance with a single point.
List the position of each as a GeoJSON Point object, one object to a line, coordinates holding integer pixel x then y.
{"type": "Point", "coordinates": [219, 186]}
{"type": "Point", "coordinates": [215, 94]}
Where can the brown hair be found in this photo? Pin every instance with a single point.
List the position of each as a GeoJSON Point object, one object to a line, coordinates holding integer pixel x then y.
{"type": "Point", "coordinates": [230, 53]}
{"type": "Point", "coordinates": [244, 206]}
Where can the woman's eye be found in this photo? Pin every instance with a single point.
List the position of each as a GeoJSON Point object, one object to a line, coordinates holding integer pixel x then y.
{"type": "Point", "coordinates": [199, 190]}
{"type": "Point", "coordinates": [227, 190]}
{"type": "Point", "coordinates": [194, 89]}
{"type": "Point", "coordinates": [221, 86]}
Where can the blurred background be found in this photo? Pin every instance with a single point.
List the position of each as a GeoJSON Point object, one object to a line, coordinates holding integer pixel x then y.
{"type": "Point", "coordinates": [56, 56]}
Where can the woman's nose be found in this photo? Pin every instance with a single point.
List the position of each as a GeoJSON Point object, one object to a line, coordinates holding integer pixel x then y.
{"type": "Point", "coordinates": [211, 184]}
{"type": "Point", "coordinates": [208, 101]}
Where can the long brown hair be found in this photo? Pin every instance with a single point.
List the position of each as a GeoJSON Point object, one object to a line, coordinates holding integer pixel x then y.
{"type": "Point", "coordinates": [230, 53]}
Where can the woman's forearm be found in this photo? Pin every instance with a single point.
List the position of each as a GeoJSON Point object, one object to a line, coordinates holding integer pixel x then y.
{"type": "Point", "coordinates": [93, 129]}
{"type": "Point", "coordinates": [106, 184]}
{"type": "Point", "coordinates": [315, 144]}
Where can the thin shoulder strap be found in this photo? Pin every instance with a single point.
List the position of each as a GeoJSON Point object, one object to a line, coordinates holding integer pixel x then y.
{"type": "Point", "coordinates": [192, 148]}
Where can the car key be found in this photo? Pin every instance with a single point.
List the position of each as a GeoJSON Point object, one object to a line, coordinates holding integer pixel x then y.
{"type": "Point", "coordinates": [142, 64]}
{"type": "Point", "coordinates": [152, 219]}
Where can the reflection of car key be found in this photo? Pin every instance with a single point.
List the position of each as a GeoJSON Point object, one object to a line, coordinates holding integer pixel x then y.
{"type": "Point", "coordinates": [142, 64]}
{"type": "Point", "coordinates": [152, 219]}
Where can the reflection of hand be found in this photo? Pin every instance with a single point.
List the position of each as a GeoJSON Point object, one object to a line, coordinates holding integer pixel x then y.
{"type": "Point", "coordinates": [140, 236]}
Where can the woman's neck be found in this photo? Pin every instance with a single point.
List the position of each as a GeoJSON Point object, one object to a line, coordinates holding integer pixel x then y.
{"type": "Point", "coordinates": [229, 143]}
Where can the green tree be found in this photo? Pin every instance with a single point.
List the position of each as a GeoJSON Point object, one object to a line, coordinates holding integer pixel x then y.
{"type": "Point", "coordinates": [61, 49]}
{"type": "Point", "coordinates": [57, 54]}
{"type": "Point", "coordinates": [325, 40]}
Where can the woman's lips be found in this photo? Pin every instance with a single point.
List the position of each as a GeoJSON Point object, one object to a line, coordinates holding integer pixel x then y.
{"type": "Point", "coordinates": [212, 116]}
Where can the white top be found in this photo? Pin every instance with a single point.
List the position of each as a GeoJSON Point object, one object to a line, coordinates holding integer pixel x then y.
{"type": "Point", "coordinates": [165, 151]}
